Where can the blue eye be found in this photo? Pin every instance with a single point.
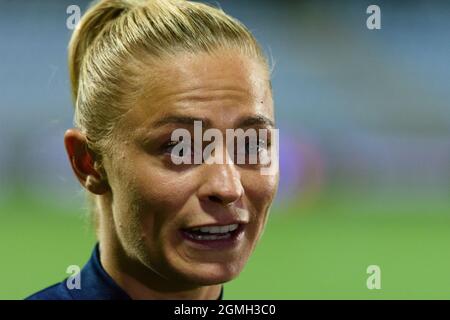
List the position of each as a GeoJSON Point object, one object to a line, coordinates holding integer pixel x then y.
{"type": "Point", "coordinates": [255, 147]}
{"type": "Point", "coordinates": [168, 148]}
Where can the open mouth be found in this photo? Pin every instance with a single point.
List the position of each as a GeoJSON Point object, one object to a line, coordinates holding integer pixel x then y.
{"type": "Point", "coordinates": [213, 233]}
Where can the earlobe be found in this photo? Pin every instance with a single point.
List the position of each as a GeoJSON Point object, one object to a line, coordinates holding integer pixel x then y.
{"type": "Point", "coordinates": [83, 163]}
{"type": "Point", "coordinates": [95, 185]}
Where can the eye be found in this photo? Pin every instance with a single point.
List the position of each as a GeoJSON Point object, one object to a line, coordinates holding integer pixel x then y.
{"type": "Point", "coordinates": [168, 148]}
{"type": "Point", "coordinates": [256, 148]}
{"type": "Point", "coordinates": [183, 146]}
{"type": "Point", "coordinates": [252, 152]}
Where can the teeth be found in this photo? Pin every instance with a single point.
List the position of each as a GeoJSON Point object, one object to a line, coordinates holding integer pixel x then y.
{"type": "Point", "coordinates": [217, 229]}
{"type": "Point", "coordinates": [209, 236]}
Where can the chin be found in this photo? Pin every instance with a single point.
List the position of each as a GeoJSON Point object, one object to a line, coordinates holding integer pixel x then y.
{"type": "Point", "coordinates": [212, 274]}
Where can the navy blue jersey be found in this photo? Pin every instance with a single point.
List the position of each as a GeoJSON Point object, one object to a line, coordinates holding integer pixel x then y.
{"type": "Point", "coordinates": [96, 284]}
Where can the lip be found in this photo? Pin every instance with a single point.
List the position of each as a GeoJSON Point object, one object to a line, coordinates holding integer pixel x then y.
{"type": "Point", "coordinates": [220, 244]}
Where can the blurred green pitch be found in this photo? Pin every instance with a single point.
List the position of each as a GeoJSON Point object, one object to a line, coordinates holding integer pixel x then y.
{"type": "Point", "coordinates": [320, 252]}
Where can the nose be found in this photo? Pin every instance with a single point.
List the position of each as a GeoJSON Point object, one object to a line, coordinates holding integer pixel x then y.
{"type": "Point", "coordinates": [222, 184]}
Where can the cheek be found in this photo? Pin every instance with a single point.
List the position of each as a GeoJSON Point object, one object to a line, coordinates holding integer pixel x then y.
{"type": "Point", "coordinates": [161, 190]}
{"type": "Point", "coordinates": [155, 195]}
{"type": "Point", "coordinates": [260, 191]}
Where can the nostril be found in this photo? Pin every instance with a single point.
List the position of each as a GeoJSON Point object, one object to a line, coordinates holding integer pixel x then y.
{"type": "Point", "coordinates": [215, 199]}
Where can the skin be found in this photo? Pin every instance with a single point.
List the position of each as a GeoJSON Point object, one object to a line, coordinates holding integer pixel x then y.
{"type": "Point", "coordinates": [145, 200]}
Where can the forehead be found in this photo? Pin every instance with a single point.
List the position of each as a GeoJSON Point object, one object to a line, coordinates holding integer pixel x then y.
{"type": "Point", "coordinates": [222, 87]}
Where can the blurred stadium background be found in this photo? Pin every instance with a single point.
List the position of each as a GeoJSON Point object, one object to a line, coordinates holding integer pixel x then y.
{"type": "Point", "coordinates": [364, 120]}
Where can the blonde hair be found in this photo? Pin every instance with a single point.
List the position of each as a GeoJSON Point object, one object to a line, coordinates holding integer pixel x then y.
{"type": "Point", "coordinates": [113, 34]}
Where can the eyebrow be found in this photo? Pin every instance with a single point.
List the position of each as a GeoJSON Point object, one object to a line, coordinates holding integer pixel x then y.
{"type": "Point", "coordinates": [254, 120]}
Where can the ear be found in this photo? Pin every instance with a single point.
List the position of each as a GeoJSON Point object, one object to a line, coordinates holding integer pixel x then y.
{"type": "Point", "coordinates": [83, 162]}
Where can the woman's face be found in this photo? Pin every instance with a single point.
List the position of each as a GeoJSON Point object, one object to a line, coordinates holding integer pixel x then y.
{"type": "Point", "coordinates": [157, 206]}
